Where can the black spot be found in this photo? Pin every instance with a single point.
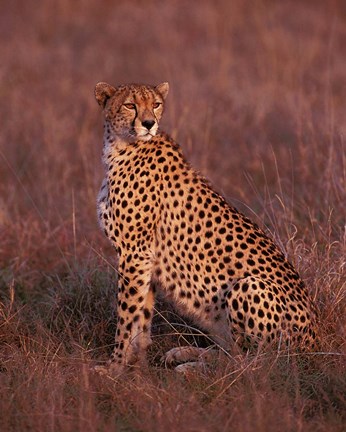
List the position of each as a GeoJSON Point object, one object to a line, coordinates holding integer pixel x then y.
{"type": "Point", "coordinates": [132, 291]}
{"type": "Point", "coordinates": [245, 287]}
{"type": "Point", "coordinates": [235, 304]}
{"type": "Point", "coordinates": [245, 306]}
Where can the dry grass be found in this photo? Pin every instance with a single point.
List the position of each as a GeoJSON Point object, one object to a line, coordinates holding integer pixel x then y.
{"type": "Point", "coordinates": [258, 103]}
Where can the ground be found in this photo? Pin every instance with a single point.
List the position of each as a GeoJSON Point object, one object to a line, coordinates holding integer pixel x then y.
{"type": "Point", "coordinates": [257, 103]}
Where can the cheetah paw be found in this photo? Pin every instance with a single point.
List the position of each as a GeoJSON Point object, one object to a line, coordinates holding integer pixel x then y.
{"type": "Point", "coordinates": [183, 354]}
{"type": "Point", "coordinates": [189, 367]}
{"type": "Point", "coordinates": [109, 370]}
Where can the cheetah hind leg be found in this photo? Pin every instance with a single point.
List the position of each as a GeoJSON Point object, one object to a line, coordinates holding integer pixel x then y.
{"type": "Point", "coordinates": [188, 358]}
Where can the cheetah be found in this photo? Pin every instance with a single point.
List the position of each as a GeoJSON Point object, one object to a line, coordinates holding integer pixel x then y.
{"type": "Point", "coordinates": [171, 229]}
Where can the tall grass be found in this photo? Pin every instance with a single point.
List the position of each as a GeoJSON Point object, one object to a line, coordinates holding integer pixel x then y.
{"type": "Point", "coordinates": [257, 102]}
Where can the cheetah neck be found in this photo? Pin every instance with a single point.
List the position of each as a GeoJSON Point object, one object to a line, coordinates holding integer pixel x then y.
{"type": "Point", "coordinates": [111, 148]}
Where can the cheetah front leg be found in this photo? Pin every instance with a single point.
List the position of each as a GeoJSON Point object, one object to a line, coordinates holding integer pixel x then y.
{"type": "Point", "coordinates": [135, 310]}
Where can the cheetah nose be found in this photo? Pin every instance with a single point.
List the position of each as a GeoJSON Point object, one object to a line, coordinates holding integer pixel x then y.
{"type": "Point", "coordinates": [148, 124]}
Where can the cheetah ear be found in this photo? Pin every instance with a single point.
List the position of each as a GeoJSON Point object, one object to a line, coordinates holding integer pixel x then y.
{"type": "Point", "coordinates": [103, 92]}
{"type": "Point", "coordinates": [163, 89]}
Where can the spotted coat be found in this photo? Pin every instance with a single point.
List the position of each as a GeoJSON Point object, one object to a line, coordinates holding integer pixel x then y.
{"type": "Point", "coordinates": [169, 225]}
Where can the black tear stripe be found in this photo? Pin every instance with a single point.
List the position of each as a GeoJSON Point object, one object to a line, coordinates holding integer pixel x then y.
{"type": "Point", "coordinates": [133, 122]}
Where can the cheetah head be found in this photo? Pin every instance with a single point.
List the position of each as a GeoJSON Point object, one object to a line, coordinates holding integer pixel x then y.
{"type": "Point", "coordinates": [132, 112]}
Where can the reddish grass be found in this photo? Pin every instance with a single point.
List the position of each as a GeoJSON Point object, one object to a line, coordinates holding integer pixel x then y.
{"type": "Point", "coordinates": [257, 102]}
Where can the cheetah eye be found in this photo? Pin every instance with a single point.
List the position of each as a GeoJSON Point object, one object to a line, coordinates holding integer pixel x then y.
{"type": "Point", "coordinates": [130, 106]}
{"type": "Point", "coordinates": [156, 105]}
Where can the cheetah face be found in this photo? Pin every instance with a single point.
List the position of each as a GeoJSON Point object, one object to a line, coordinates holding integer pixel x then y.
{"type": "Point", "coordinates": [131, 112]}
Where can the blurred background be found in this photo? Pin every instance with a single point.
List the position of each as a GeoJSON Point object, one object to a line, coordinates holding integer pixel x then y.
{"type": "Point", "coordinates": [257, 102]}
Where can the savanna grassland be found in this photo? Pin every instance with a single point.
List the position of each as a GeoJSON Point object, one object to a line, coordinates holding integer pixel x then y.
{"type": "Point", "coordinates": [257, 101]}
